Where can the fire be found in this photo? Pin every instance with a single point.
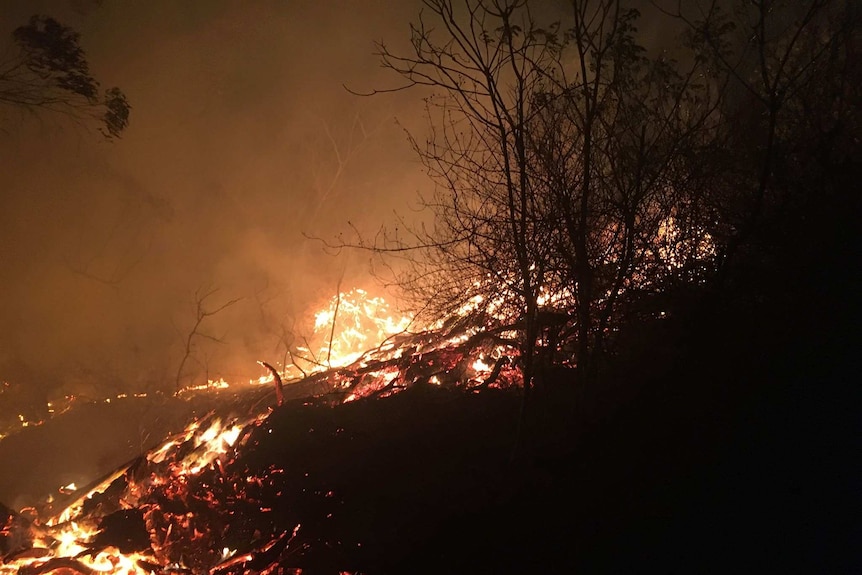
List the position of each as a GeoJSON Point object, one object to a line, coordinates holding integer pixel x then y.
{"type": "Point", "coordinates": [67, 540]}
{"type": "Point", "coordinates": [208, 445]}
{"type": "Point", "coordinates": [352, 323]}
{"type": "Point", "coordinates": [67, 548]}
{"type": "Point", "coordinates": [184, 493]}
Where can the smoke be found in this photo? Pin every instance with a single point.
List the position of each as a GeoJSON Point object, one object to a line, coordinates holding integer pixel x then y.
{"type": "Point", "coordinates": [242, 142]}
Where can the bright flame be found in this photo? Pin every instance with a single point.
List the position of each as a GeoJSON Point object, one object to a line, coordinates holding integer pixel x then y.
{"type": "Point", "coordinates": [72, 540]}
{"type": "Point", "coordinates": [210, 444]}
{"type": "Point", "coordinates": [361, 322]}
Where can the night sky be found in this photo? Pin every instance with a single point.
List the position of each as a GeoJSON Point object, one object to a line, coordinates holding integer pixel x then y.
{"type": "Point", "coordinates": [242, 140]}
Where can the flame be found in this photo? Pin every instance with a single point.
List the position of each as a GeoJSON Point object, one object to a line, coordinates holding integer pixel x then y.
{"type": "Point", "coordinates": [67, 548]}
{"type": "Point", "coordinates": [364, 346]}
{"type": "Point", "coordinates": [210, 445]}
{"type": "Point", "coordinates": [360, 322]}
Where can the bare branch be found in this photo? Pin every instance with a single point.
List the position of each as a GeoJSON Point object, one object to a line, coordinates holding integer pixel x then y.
{"type": "Point", "coordinates": [201, 314]}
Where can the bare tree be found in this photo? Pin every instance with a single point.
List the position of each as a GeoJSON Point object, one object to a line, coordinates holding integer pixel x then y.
{"type": "Point", "coordinates": [606, 143]}
{"type": "Point", "coordinates": [332, 156]}
{"type": "Point", "coordinates": [555, 153]}
{"type": "Point", "coordinates": [484, 251]}
{"type": "Point", "coordinates": [770, 54]}
{"type": "Point", "coordinates": [202, 313]}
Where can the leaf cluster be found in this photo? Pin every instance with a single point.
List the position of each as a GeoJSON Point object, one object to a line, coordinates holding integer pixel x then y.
{"type": "Point", "coordinates": [50, 72]}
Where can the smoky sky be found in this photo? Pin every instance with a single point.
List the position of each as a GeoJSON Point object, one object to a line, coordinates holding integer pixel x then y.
{"type": "Point", "coordinates": [243, 141]}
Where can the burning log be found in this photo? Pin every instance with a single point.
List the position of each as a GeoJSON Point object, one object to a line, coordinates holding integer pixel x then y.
{"type": "Point", "coordinates": [279, 386]}
{"type": "Point", "coordinates": [26, 554]}
{"type": "Point", "coordinates": [236, 562]}
{"type": "Point", "coordinates": [55, 563]}
{"type": "Point", "coordinates": [495, 372]}
{"type": "Point", "coordinates": [7, 519]}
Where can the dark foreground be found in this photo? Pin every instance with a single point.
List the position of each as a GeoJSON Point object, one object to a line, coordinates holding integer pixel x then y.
{"type": "Point", "coordinates": [706, 477]}
{"type": "Point", "coordinates": [725, 444]}
{"type": "Point", "coordinates": [719, 441]}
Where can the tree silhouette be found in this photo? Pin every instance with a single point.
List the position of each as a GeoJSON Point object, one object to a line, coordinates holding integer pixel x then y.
{"type": "Point", "coordinates": [605, 144]}
{"type": "Point", "coordinates": [48, 71]}
{"type": "Point", "coordinates": [782, 65]}
{"type": "Point", "coordinates": [485, 253]}
{"type": "Point", "coordinates": [587, 188]}
{"type": "Point", "coordinates": [555, 153]}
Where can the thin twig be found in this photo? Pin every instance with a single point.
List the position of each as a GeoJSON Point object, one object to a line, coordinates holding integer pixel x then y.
{"type": "Point", "coordinates": [334, 318]}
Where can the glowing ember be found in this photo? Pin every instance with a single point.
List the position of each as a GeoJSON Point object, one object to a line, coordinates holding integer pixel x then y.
{"type": "Point", "coordinates": [480, 366]}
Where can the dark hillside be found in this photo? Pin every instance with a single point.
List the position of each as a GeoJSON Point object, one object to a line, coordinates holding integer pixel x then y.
{"type": "Point", "coordinates": [722, 438]}
{"type": "Point", "coordinates": [732, 454]}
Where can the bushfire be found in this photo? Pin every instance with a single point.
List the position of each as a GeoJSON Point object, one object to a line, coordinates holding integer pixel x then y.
{"type": "Point", "coordinates": [197, 504]}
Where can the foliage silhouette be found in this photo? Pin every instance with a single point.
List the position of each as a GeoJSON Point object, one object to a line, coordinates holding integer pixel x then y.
{"type": "Point", "coordinates": [48, 71]}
